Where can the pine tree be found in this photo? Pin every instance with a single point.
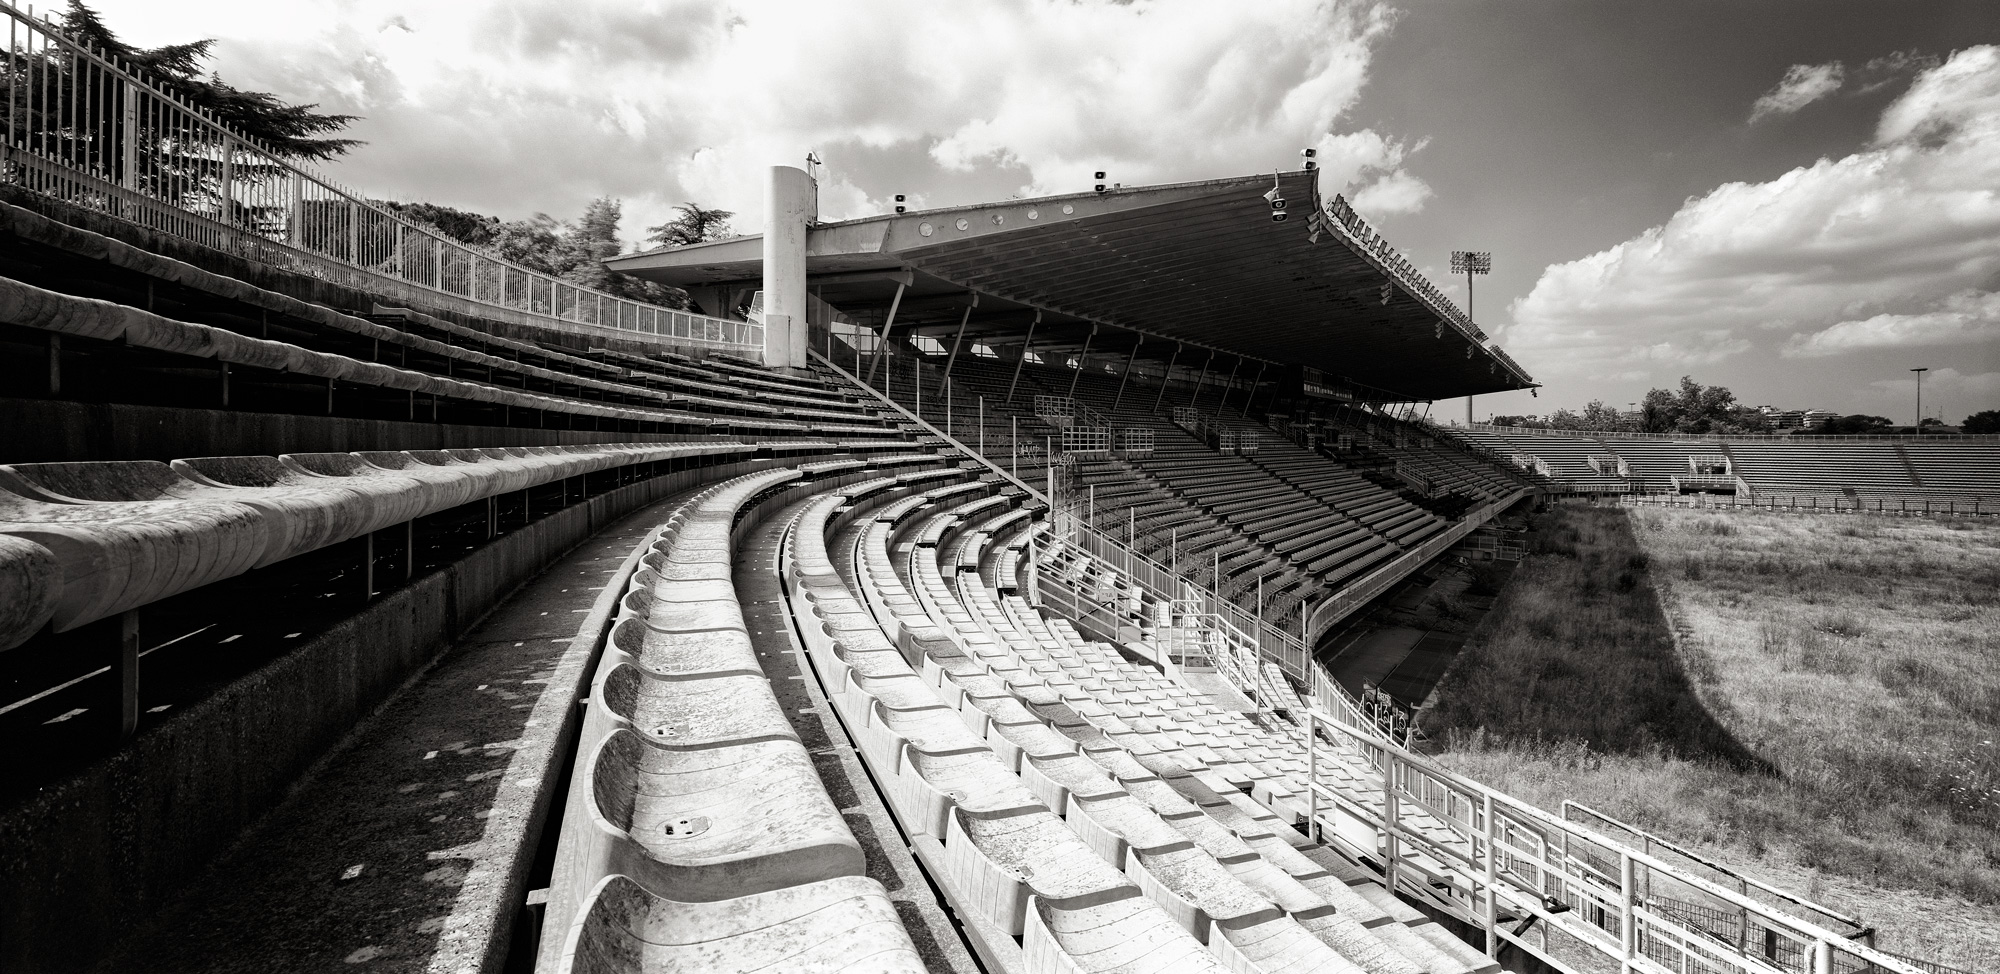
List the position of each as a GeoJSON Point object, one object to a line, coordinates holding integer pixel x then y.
{"type": "Point", "coordinates": [290, 131]}
{"type": "Point", "coordinates": [695, 225]}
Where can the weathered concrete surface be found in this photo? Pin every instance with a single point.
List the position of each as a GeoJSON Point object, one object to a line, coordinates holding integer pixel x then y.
{"type": "Point", "coordinates": [890, 861]}
{"type": "Point", "coordinates": [47, 431]}
{"type": "Point", "coordinates": [92, 856]}
{"type": "Point", "coordinates": [436, 798]}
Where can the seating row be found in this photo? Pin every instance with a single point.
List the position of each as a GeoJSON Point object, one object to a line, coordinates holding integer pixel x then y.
{"type": "Point", "coordinates": [90, 540]}
{"type": "Point", "coordinates": [455, 352]}
{"type": "Point", "coordinates": [698, 834]}
{"type": "Point", "coordinates": [1131, 801]}
{"type": "Point", "coordinates": [1140, 711]}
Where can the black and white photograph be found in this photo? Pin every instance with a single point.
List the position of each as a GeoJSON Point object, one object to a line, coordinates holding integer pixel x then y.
{"type": "Point", "coordinates": [1000, 487]}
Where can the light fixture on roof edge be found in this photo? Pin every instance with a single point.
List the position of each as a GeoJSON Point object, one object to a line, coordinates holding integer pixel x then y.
{"type": "Point", "coordinates": [899, 203]}
{"type": "Point", "coordinates": [1278, 214]}
{"type": "Point", "coordinates": [1311, 156]}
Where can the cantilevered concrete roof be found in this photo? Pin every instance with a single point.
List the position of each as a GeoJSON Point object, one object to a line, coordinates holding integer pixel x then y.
{"type": "Point", "coordinates": [1200, 264]}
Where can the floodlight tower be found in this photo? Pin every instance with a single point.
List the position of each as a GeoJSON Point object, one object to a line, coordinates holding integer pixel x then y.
{"type": "Point", "coordinates": [1920, 398]}
{"type": "Point", "coordinates": [1470, 262]}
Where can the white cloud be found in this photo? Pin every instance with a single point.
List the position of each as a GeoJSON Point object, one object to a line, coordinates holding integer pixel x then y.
{"type": "Point", "coordinates": [1802, 85]}
{"type": "Point", "coordinates": [1965, 318]}
{"type": "Point", "coordinates": [1907, 228]}
{"type": "Point", "coordinates": [1942, 381]}
{"type": "Point", "coordinates": [518, 105]}
{"type": "Point", "coordinates": [1367, 168]}
{"type": "Point", "coordinates": [1949, 394]}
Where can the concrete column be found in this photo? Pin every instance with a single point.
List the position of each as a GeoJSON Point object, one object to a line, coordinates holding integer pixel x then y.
{"type": "Point", "coordinates": [788, 201]}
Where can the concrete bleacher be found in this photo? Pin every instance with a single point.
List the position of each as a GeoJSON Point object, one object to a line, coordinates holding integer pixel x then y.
{"type": "Point", "coordinates": [1937, 468]}
{"type": "Point", "coordinates": [696, 809]}
{"type": "Point", "coordinates": [910, 607]}
{"type": "Point", "coordinates": [187, 430]}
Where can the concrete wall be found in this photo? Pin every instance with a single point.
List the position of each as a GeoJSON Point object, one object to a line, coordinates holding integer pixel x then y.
{"type": "Point", "coordinates": [91, 856]}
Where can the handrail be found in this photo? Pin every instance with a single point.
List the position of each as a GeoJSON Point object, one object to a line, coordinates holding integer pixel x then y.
{"type": "Point", "coordinates": [1486, 862]}
{"type": "Point", "coordinates": [1039, 495]}
{"type": "Point", "coordinates": [1340, 604]}
{"type": "Point", "coordinates": [92, 131]}
{"type": "Point", "coordinates": [1677, 849]}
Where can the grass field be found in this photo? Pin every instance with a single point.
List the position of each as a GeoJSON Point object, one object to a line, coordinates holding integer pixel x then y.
{"type": "Point", "coordinates": [1826, 716]}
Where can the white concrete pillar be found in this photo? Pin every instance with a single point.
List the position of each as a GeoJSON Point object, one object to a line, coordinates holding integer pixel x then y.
{"type": "Point", "coordinates": [788, 202]}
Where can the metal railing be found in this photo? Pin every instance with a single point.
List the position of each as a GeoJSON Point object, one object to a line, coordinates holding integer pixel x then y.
{"type": "Point", "coordinates": [1133, 441]}
{"type": "Point", "coordinates": [1913, 506]}
{"type": "Point", "coordinates": [1057, 411]}
{"type": "Point", "coordinates": [1760, 438]}
{"type": "Point", "coordinates": [1344, 602]}
{"type": "Point", "coordinates": [95, 132]}
{"type": "Point", "coordinates": [1557, 890]}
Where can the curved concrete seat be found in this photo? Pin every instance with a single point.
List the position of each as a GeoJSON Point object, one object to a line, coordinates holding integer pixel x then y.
{"type": "Point", "coordinates": [325, 509]}
{"type": "Point", "coordinates": [291, 519]}
{"type": "Point", "coordinates": [1124, 935]}
{"type": "Point", "coordinates": [414, 496]}
{"type": "Point", "coordinates": [31, 582]}
{"type": "Point", "coordinates": [718, 823]}
{"type": "Point", "coordinates": [832, 927]}
{"type": "Point", "coordinates": [684, 655]}
{"type": "Point", "coordinates": [448, 486]}
{"type": "Point", "coordinates": [117, 555]}
{"type": "Point", "coordinates": [1113, 824]}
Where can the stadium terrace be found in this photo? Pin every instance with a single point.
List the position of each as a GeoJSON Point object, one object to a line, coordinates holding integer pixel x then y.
{"type": "Point", "coordinates": [943, 590]}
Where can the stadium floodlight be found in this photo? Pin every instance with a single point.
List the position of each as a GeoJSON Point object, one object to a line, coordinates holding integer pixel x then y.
{"type": "Point", "coordinates": [1312, 158]}
{"type": "Point", "coordinates": [899, 203]}
{"type": "Point", "coordinates": [1100, 181]}
{"type": "Point", "coordinates": [1920, 398]}
{"type": "Point", "coordinates": [1470, 262]}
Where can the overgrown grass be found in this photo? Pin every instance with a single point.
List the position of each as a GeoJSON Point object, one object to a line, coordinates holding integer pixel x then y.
{"type": "Point", "coordinates": [1830, 708]}
{"type": "Point", "coordinates": [1578, 650]}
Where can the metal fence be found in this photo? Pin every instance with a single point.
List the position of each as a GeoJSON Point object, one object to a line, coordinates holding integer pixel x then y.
{"type": "Point", "coordinates": [1575, 898]}
{"type": "Point", "coordinates": [94, 132]}
{"type": "Point", "coordinates": [1734, 437]}
{"type": "Point", "coordinates": [1913, 506]}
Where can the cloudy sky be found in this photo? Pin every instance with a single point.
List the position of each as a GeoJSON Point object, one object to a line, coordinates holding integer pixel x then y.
{"type": "Point", "coordinates": [1799, 199]}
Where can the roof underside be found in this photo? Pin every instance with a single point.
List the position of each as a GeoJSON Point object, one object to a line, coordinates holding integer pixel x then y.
{"type": "Point", "coordinates": [1201, 264]}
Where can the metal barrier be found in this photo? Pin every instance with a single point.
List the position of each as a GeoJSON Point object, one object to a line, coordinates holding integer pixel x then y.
{"type": "Point", "coordinates": [1057, 411]}
{"type": "Point", "coordinates": [1344, 602]}
{"type": "Point", "coordinates": [1492, 861]}
{"type": "Point", "coordinates": [1133, 442]}
{"type": "Point", "coordinates": [100, 135]}
{"type": "Point", "coordinates": [1913, 506]}
{"type": "Point", "coordinates": [1087, 441]}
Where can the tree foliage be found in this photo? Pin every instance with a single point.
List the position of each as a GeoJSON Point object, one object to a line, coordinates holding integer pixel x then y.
{"type": "Point", "coordinates": [1984, 421]}
{"type": "Point", "coordinates": [695, 225]}
{"type": "Point", "coordinates": [573, 251]}
{"type": "Point", "coordinates": [1693, 408]}
{"type": "Point", "coordinates": [291, 131]}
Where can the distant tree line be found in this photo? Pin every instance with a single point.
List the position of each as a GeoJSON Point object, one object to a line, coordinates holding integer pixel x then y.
{"type": "Point", "coordinates": [1695, 409]}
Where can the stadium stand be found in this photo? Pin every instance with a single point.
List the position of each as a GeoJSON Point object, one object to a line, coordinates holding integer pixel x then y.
{"type": "Point", "coordinates": [277, 463]}
{"type": "Point", "coordinates": [1950, 471]}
